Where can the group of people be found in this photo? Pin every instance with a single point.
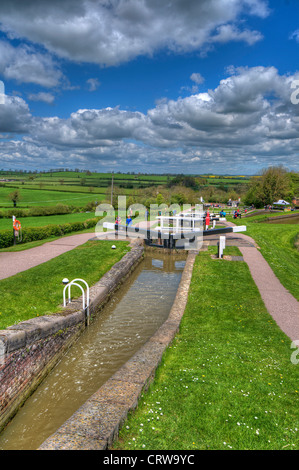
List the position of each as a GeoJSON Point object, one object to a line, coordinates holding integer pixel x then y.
{"type": "Point", "coordinates": [128, 220]}
{"type": "Point", "coordinates": [237, 214]}
{"type": "Point", "coordinates": [129, 217]}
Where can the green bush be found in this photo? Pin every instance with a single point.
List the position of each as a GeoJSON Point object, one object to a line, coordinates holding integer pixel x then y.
{"type": "Point", "coordinates": [6, 238]}
{"type": "Point", "coordinates": [59, 209]}
{"type": "Point", "coordinates": [31, 234]}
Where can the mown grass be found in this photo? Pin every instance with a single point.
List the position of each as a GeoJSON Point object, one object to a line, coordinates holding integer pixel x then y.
{"type": "Point", "coordinates": [227, 380]}
{"type": "Point", "coordinates": [39, 290]}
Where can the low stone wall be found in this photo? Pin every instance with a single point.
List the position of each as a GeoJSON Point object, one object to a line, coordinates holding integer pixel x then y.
{"type": "Point", "coordinates": [30, 349]}
{"type": "Point", "coordinates": [96, 424]}
{"type": "Point", "coordinates": [280, 217]}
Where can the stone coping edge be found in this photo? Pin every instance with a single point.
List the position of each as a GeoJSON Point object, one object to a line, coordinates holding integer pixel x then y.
{"type": "Point", "coordinates": [29, 331]}
{"type": "Point", "coordinates": [95, 425]}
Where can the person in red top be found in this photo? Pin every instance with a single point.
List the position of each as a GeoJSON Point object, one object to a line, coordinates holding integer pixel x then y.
{"type": "Point", "coordinates": [207, 220]}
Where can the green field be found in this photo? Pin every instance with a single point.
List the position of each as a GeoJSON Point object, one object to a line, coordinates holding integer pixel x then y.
{"type": "Point", "coordinates": [82, 181]}
{"type": "Point", "coordinates": [69, 188]}
{"type": "Point", "coordinates": [80, 188]}
{"type": "Point", "coordinates": [85, 180]}
{"type": "Point", "coordinates": [41, 197]}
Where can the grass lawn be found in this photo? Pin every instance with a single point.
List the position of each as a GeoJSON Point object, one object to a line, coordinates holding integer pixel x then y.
{"type": "Point", "coordinates": [39, 290]}
{"type": "Point", "coordinates": [227, 381]}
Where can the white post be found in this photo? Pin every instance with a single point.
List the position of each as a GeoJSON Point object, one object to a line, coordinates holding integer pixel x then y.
{"type": "Point", "coordinates": [14, 232]}
{"type": "Point", "coordinates": [221, 246]}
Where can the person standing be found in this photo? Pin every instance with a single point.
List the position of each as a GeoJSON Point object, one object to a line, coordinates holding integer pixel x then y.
{"type": "Point", "coordinates": [207, 221]}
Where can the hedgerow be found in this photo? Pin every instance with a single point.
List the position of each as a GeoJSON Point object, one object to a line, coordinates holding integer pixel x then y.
{"type": "Point", "coordinates": [30, 234]}
{"type": "Point", "coordinates": [58, 209]}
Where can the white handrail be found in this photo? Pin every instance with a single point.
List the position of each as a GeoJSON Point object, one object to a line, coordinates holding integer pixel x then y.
{"type": "Point", "coordinates": [74, 283]}
{"type": "Point", "coordinates": [87, 288]}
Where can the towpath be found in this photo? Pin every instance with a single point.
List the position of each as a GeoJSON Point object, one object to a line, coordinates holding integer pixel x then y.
{"type": "Point", "coordinates": [17, 261]}
{"type": "Point", "coordinates": [282, 306]}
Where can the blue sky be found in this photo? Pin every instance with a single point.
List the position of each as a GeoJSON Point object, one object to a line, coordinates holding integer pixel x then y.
{"type": "Point", "coordinates": [185, 86]}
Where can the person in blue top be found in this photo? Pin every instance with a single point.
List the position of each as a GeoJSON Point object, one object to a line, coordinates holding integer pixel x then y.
{"type": "Point", "coordinates": [129, 221]}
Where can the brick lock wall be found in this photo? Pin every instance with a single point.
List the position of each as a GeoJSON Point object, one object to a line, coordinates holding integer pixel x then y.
{"type": "Point", "coordinates": [23, 369]}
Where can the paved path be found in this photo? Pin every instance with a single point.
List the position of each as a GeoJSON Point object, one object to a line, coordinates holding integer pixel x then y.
{"type": "Point", "coordinates": [281, 305]}
{"type": "Point", "coordinates": [14, 262]}
{"type": "Point", "coordinates": [231, 239]}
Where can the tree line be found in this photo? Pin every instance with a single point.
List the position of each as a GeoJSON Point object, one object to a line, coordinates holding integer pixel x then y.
{"type": "Point", "coordinates": [274, 183]}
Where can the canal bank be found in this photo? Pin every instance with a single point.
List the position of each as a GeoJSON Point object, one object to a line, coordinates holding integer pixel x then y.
{"type": "Point", "coordinates": [95, 425]}
{"type": "Point", "coordinates": [283, 219]}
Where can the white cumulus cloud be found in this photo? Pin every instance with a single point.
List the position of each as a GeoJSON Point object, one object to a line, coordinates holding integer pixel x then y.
{"type": "Point", "coordinates": [25, 65]}
{"type": "Point", "coordinates": [116, 31]}
{"type": "Point", "coordinates": [246, 119]}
